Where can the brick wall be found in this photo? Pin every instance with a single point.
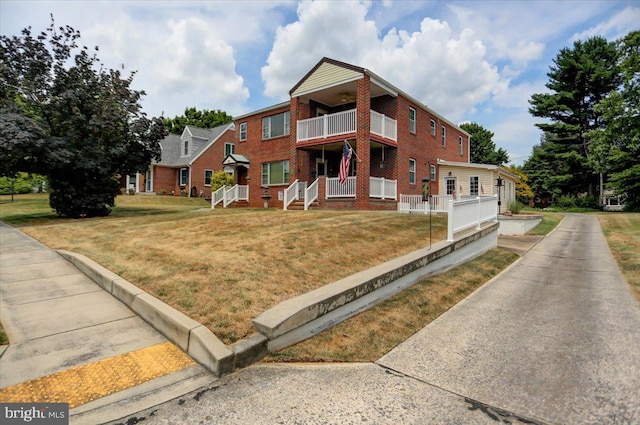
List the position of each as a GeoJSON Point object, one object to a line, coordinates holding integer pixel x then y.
{"type": "Point", "coordinates": [211, 159]}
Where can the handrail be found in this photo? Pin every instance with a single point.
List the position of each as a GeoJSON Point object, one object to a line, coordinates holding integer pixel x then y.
{"type": "Point", "coordinates": [217, 196]}
{"type": "Point", "coordinates": [310, 194]}
{"type": "Point", "coordinates": [290, 194]}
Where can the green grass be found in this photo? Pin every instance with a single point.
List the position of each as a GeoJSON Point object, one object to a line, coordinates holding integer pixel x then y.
{"type": "Point", "coordinates": [549, 222]}
{"type": "Point", "coordinates": [622, 231]}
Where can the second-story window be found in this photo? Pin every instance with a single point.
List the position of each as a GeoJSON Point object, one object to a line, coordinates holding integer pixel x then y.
{"type": "Point", "coordinates": [432, 127]}
{"type": "Point", "coordinates": [444, 136]}
{"type": "Point", "coordinates": [243, 131]}
{"type": "Point", "coordinates": [229, 148]}
{"type": "Point", "coordinates": [275, 125]}
{"type": "Point", "coordinates": [185, 148]}
{"type": "Point", "coordinates": [412, 120]}
{"type": "Point", "coordinates": [432, 173]}
{"type": "Point", "coordinates": [460, 145]}
{"type": "Point", "coordinates": [412, 171]}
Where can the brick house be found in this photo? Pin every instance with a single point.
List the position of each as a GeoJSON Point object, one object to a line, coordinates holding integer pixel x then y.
{"type": "Point", "coordinates": [187, 162]}
{"type": "Point", "coordinates": [294, 149]}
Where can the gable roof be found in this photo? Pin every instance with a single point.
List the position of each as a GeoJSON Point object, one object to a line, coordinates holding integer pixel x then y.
{"type": "Point", "coordinates": [490, 167]}
{"type": "Point", "coordinates": [171, 145]}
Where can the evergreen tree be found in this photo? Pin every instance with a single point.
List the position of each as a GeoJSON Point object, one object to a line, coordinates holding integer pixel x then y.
{"type": "Point", "coordinates": [580, 78]}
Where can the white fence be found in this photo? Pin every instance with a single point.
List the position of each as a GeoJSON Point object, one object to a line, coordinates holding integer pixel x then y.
{"type": "Point", "coordinates": [228, 196]}
{"type": "Point", "coordinates": [415, 204]}
{"type": "Point", "coordinates": [469, 213]}
{"type": "Point", "coordinates": [382, 188]}
{"type": "Point", "coordinates": [294, 192]}
{"type": "Point", "coordinates": [384, 126]}
{"type": "Point", "coordinates": [217, 196]}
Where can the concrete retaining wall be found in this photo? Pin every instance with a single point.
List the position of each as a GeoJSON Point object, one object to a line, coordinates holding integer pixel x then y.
{"type": "Point", "coordinates": [306, 315]}
{"type": "Point", "coordinates": [518, 224]}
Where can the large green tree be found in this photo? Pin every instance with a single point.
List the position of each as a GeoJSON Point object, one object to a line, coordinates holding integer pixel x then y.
{"type": "Point", "coordinates": [65, 115]}
{"type": "Point", "coordinates": [483, 148]}
{"type": "Point", "coordinates": [203, 119]}
{"type": "Point", "coordinates": [581, 77]}
{"type": "Point", "coordinates": [616, 145]}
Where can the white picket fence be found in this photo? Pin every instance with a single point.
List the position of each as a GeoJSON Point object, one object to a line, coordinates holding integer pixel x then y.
{"type": "Point", "coordinates": [415, 204]}
{"type": "Point", "coordinates": [470, 213]}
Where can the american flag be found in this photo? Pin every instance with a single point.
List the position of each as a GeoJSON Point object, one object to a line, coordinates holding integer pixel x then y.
{"type": "Point", "coordinates": [344, 164]}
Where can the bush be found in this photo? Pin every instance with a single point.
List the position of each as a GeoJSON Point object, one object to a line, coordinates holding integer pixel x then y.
{"type": "Point", "coordinates": [584, 201]}
{"type": "Point", "coordinates": [516, 207]}
{"type": "Point", "coordinates": [23, 183]}
{"type": "Point", "coordinates": [565, 202]}
{"type": "Point", "coordinates": [94, 198]}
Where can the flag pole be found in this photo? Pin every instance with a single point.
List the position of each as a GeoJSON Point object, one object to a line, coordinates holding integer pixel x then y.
{"type": "Point", "coordinates": [353, 150]}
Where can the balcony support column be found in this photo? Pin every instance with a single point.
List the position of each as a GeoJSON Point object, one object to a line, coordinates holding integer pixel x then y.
{"type": "Point", "coordinates": [363, 133]}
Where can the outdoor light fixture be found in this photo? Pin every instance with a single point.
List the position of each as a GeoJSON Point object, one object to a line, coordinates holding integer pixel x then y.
{"type": "Point", "coordinates": [499, 184]}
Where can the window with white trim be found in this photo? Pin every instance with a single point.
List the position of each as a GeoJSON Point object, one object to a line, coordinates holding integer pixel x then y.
{"type": "Point", "coordinates": [229, 148]}
{"type": "Point", "coordinates": [460, 145]}
{"type": "Point", "coordinates": [208, 176]}
{"type": "Point", "coordinates": [185, 148]}
{"type": "Point", "coordinates": [412, 120]}
{"type": "Point", "coordinates": [275, 173]}
{"type": "Point", "coordinates": [243, 132]}
{"type": "Point", "coordinates": [450, 183]}
{"type": "Point", "coordinates": [412, 171]}
{"type": "Point", "coordinates": [474, 184]}
{"type": "Point", "coordinates": [184, 177]}
{"type": "Point", "coordinates": [432, 127]}
{"type": "Point", "coordinates": [444, 136]}
{"type": "Point", "coordinates": [432, 173]}
{"type": "Point", "coordinates": [275, 125]}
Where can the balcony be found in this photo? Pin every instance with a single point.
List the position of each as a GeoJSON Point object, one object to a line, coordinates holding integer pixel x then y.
{"type": "Point", "coordinates": [344, 123]}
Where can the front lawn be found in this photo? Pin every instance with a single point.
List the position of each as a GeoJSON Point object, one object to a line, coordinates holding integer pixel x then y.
{"type": "Point", "coordinates": [622, 231]}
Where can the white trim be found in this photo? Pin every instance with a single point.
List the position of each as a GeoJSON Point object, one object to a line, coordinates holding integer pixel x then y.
{"type": "Point", "coordinates": [240, 139]}
{"type": "Point", "coordinates": [205, 177]}
{"type": "Point", "coordinates": [443, 137]}
{"type": "Point", "coordinates": [478, 188]}
{"type": "Point", "coordinates": [327, 86]}
{"type": "Point", "coordinates": [460, 145]}
{"type": "Point", "coordinates": [415, 171]}
{"type": "Point", "coordinates": [203, 150]}
{"type": "Point", "coordinates": [263, 110]}
{"type": "Point", "coordinates": [180, 176]}
{"type": "Point", "coordinates": [433, 128]}
{"type": "Point", "coordinates": [415, 120]}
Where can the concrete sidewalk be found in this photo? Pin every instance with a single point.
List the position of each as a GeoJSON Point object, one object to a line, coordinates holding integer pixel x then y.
{"type": "Point", "coordinates": [62, 325]}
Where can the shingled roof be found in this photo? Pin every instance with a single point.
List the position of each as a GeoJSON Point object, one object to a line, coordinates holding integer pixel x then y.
{"type": "Point", "coordinates": [172, 145]}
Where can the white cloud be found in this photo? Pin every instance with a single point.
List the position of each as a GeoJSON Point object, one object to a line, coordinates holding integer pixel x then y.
{"type": "Point", "coordinates": [617, 26]}
{"type": "Point", "coordinates": [446, 70]}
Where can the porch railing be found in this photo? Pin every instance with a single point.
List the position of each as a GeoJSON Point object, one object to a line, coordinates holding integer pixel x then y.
{"type": "Point", "coordinates": [310, 194]}
{"type": "Point", "coordinates": [413, 204]}
{"type": "Point", "coordinates": [295, 191]}
{"type": "Point", "coordinates": [343, 123]}
{"type": "Point", "coordinates": [382, 188]}
{"type": "Point", "coordinates": [384, 126]}
{"type": "Point", "coordinates": [440, 203]}
{"type": "Point", "coordinates": [235, 193]}
{"type": "Point", "coordinates": [335, 189]}
{"type": "Point", "coordinates": [217, 196]}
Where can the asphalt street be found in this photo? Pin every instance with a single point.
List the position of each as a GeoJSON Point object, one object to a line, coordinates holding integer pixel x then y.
{"type": "Point", "coordinates": [554, 339]}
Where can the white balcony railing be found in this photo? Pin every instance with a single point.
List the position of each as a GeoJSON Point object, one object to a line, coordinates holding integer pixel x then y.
{"type": "Point", "coordinates": [382, 188]}
{"type": "Point", "coordinates": [344, 123]}
{"type": "Point", "coordinates": [384, 126]}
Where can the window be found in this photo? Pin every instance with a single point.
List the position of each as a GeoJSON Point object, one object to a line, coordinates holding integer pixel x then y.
{"type": "Point", "coordinates": [473, 185]}
{"type": "Point", "coordinates": [275, 125]}
{"type": "Point", "coordinates": [229, 148]}
{"type": "Point", "coordinates": [412, 171]}
{"type": "Point", "coordinates": [433, 127]}
{"type": "Point", "coordinates": [243, 131]}
{"type": "Point", "coordinates": [185, 148]}
{"type": "Point", "coordinates": [208, 175]}
{"type": "Point", "coordinates": [432, 173]}
{"type": "Point", "coordinates": [444, 136]}
{"type": "Point", "coordinates": [184, 176]}
{"type": "Point", "coordinates": [412, 120]}
{"type": "Point", "coordinates": [460, 145]}
{"type": "Point", "coordinates": [275, 172]}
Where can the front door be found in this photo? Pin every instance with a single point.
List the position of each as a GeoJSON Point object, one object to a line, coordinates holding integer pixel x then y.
{"type": "Point", "coordinates": [321, 167]}
{"type": "Point", "coordinates": [450, 183]}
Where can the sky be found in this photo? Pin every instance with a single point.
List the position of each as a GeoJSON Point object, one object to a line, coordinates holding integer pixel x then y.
{"type": "Point", "coordinates": [474, 61]}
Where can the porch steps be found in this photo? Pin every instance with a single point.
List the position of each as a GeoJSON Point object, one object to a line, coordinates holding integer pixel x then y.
{"type": "Point", "coordinates": [299, 205]}
{"type": "Point", "coordinates": [238, 204]}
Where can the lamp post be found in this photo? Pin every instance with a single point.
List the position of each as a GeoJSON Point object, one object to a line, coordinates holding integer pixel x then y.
{"type": "Point", "coordinates": [499, 184]}
{"type": "Point", "coordinates": [425, 198]}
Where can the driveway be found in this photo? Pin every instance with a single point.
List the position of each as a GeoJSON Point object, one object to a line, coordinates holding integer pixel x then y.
{"type": "Point", "coordinates": [554, 339]}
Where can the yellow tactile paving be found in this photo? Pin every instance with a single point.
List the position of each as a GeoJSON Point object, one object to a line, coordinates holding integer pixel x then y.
{"type": "Point", "coordinates": [85, 383]}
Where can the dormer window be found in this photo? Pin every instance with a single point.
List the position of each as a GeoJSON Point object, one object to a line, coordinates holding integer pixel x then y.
{"type": "Point", "coordinates": [185, 148]}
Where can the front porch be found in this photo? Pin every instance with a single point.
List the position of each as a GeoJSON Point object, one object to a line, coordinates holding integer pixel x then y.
{"type": "Point", "coordinates": [344, 123]}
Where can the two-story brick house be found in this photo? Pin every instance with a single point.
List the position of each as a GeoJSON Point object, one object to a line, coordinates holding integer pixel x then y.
{"type": "Point", "coordinates": [396, 142]}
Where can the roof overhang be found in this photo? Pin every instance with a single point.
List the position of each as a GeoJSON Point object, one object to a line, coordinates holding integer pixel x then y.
{"type": "Point", "coordinates": [234, 159]}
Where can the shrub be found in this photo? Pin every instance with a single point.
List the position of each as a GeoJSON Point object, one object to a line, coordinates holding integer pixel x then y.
{"type": "Point", "coordinates": [565, 202]}
{"type": "Point", "coordinates": [516, 207]}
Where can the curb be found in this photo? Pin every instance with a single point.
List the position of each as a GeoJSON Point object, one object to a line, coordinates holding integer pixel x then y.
{"type": "Point", "coordinates": [192, 337]}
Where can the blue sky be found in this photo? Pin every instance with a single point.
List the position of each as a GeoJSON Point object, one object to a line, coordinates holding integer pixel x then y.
{"type": "Point", "coordinates": [469, 60]}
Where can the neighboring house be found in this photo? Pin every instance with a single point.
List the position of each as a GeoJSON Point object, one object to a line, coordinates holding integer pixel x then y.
{"type": "Point", "coordinates": [464, 180]}
{"type": "Point", "coordinates": [397, 141]}
{"type": "Point", "coordinates": [188, 161]}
